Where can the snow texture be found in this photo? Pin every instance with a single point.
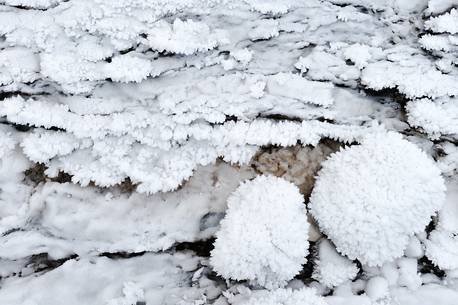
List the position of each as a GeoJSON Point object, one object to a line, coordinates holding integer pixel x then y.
{"type": "Point", "coordinates": [151, 278]}
{"type": "Point", "coordinates": [125, 126]}
{"type": "Point", "coordinates": [442, 244]}
{"type": "Point", "coordinates": [439, 117]}
{"type": "Point", "coordinates": [331, 269]}
{"type": "Point", "coordinates": [65, 219]}
{"type": "Point", "coordinates": [282, 296]}
{"type": "Point", "coordinates": [370, 198]}
{"type": "Point", "coordinates": [263, 237]}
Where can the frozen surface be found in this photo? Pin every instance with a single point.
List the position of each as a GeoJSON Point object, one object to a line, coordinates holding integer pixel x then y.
{"type": "Point", "coordinates": [370, 198]}
{"type": "Point", "coordinates": [264, 236]}
{"type": "Point", "coordinates": [125, 126]}
{"type": "Point", "coordinates": [151, 278]}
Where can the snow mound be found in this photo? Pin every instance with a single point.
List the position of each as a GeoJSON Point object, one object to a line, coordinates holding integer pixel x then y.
{"type": "Point", "coordinates": [263, 237]}
{"type": "Point", "coordinates": [370, 198]}
{"type": "Point", "coordinates": [332, 269]}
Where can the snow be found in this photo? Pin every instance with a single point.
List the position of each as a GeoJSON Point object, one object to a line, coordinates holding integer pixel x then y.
{"type": "Point", "coordinates": [64, 219]}
{"type": "Point", "coordinates": [183, 37]}
{"type": "Point", "coordinates": [332, 269]}
{"type": "Point", "coordinates": [125, 126]}
{"type": "Point", "coordinates": [293, 86]}
{"type": "Point", "coordinates": [414, 248]}
{"type": "Point", "coordinates": [439, 6]}
{"type": "Point", "coordinates": [169, 154]}
{"type": "Point", "coordinates": [363, 190]}
{"type": "Point", "coordinates": [408, 275]}
{"type": "Point", "coordinates": [304, 296]}
{"type": "Point", "coordinates": [263, 237]}
{"type": "Point", "coordinates": [377, 288]}
{"type": "Point", "coordinates": [447, 22]}
{"type": "Point", "coordinates": [151, 278]}
{"type": "Point", "coordinates": [435, 117]}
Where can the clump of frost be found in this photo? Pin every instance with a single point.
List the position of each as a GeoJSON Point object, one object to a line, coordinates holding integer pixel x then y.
{"type": "Point", "coordinates": [263, 237]}
{"type": "Point", "coordinates": [129, 68]}
{"type": "Point", "coordinates": [438, 117]}
{"type": "Point", "coordinates": [446, 23]}
{"type": "Point", "coordinates": [332, 269]}
{"type": "Point", "coordinates": [442, 244]}
{"type": "Point", "coordinates": [184, 37]}
{"type": "Point", "coordinates": [370, 198]}
{"type": "Point", "coordinates": [442, 249]}
{"type": "Point", "coordinates": [304, 296]}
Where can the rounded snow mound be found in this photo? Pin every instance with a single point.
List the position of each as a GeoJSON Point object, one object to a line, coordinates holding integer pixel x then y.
{"type": "Point", "coordinates": [303, 296]}
{"type": "Point", "coordinates": [263, 237]}
{"type": "Point", "coordinates": [370, 198]}
{"type": "Point", "coordinates": [330, 268]}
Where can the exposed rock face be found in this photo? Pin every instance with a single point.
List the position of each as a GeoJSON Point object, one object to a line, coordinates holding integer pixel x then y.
{"type": "Point", "coordinates": [297, 164]}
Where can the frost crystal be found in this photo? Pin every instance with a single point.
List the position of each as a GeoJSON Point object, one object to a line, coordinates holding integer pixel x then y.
{"type": "Point", "coordinates": [263, 237]}
{"type": "Point", "coordinates": [438, 117]}
{"type": "Point", "coordinates": [370, 198]}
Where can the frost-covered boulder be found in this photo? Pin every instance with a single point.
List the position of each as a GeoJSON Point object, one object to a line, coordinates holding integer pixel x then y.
{"type": "Point", "coordinates": [304, 296]}
{"type": "Point", "coordinates": [263, 237]}
{"type": "Point", "coordinates": [370, 198]}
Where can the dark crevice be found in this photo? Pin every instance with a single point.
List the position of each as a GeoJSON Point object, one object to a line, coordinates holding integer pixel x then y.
{"type": "Point", "coordinates": [21, 127]}
{"type": "Point", "coordinates": [10, 231]}
{"type": "Point", "coordinates": [280, 117]}
{"type": "Point", "coordinates": [127, 186]}
{"type": "Point", "coordinates": [200, 248]}
{"type": "Point", "coordinates": [29, 8]}
{"type": "Point", "coordinates": [42, 262]}
{"type": "Point", "coordinates": [425, 265]}
{"type": "Point", "coordinates": [36, 174]}
{"type": "Point", "coordinates": [307, 269]}
{"type": "Point", "coordinates": [360, 273]}
{"type": "Point", "coordinates": [231, 118]}
{"type": "Point", "coordinates": [121, 255]}
{"type": "Point", "coordinates": [391, 93]}
{"type": "Point", "coordinates": [8, 94]}
{"type": "Point", "coordinates": [431, 226]}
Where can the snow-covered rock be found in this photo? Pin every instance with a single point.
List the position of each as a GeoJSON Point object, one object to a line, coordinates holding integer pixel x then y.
{"type": "Point", "coordinates": [151, 278]}
{"type": "Point", "coordinates": [370, 198]}
{"type": "Point", "coordinates": [263, 237]}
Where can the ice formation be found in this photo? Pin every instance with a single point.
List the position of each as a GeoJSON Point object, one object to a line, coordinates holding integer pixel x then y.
{"type": "Point", "coordinates": [125, 126]}
{"type": "Point", "coordinates": [263, 237]}
{"type": "Point", "coordinates": [370, 198]}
